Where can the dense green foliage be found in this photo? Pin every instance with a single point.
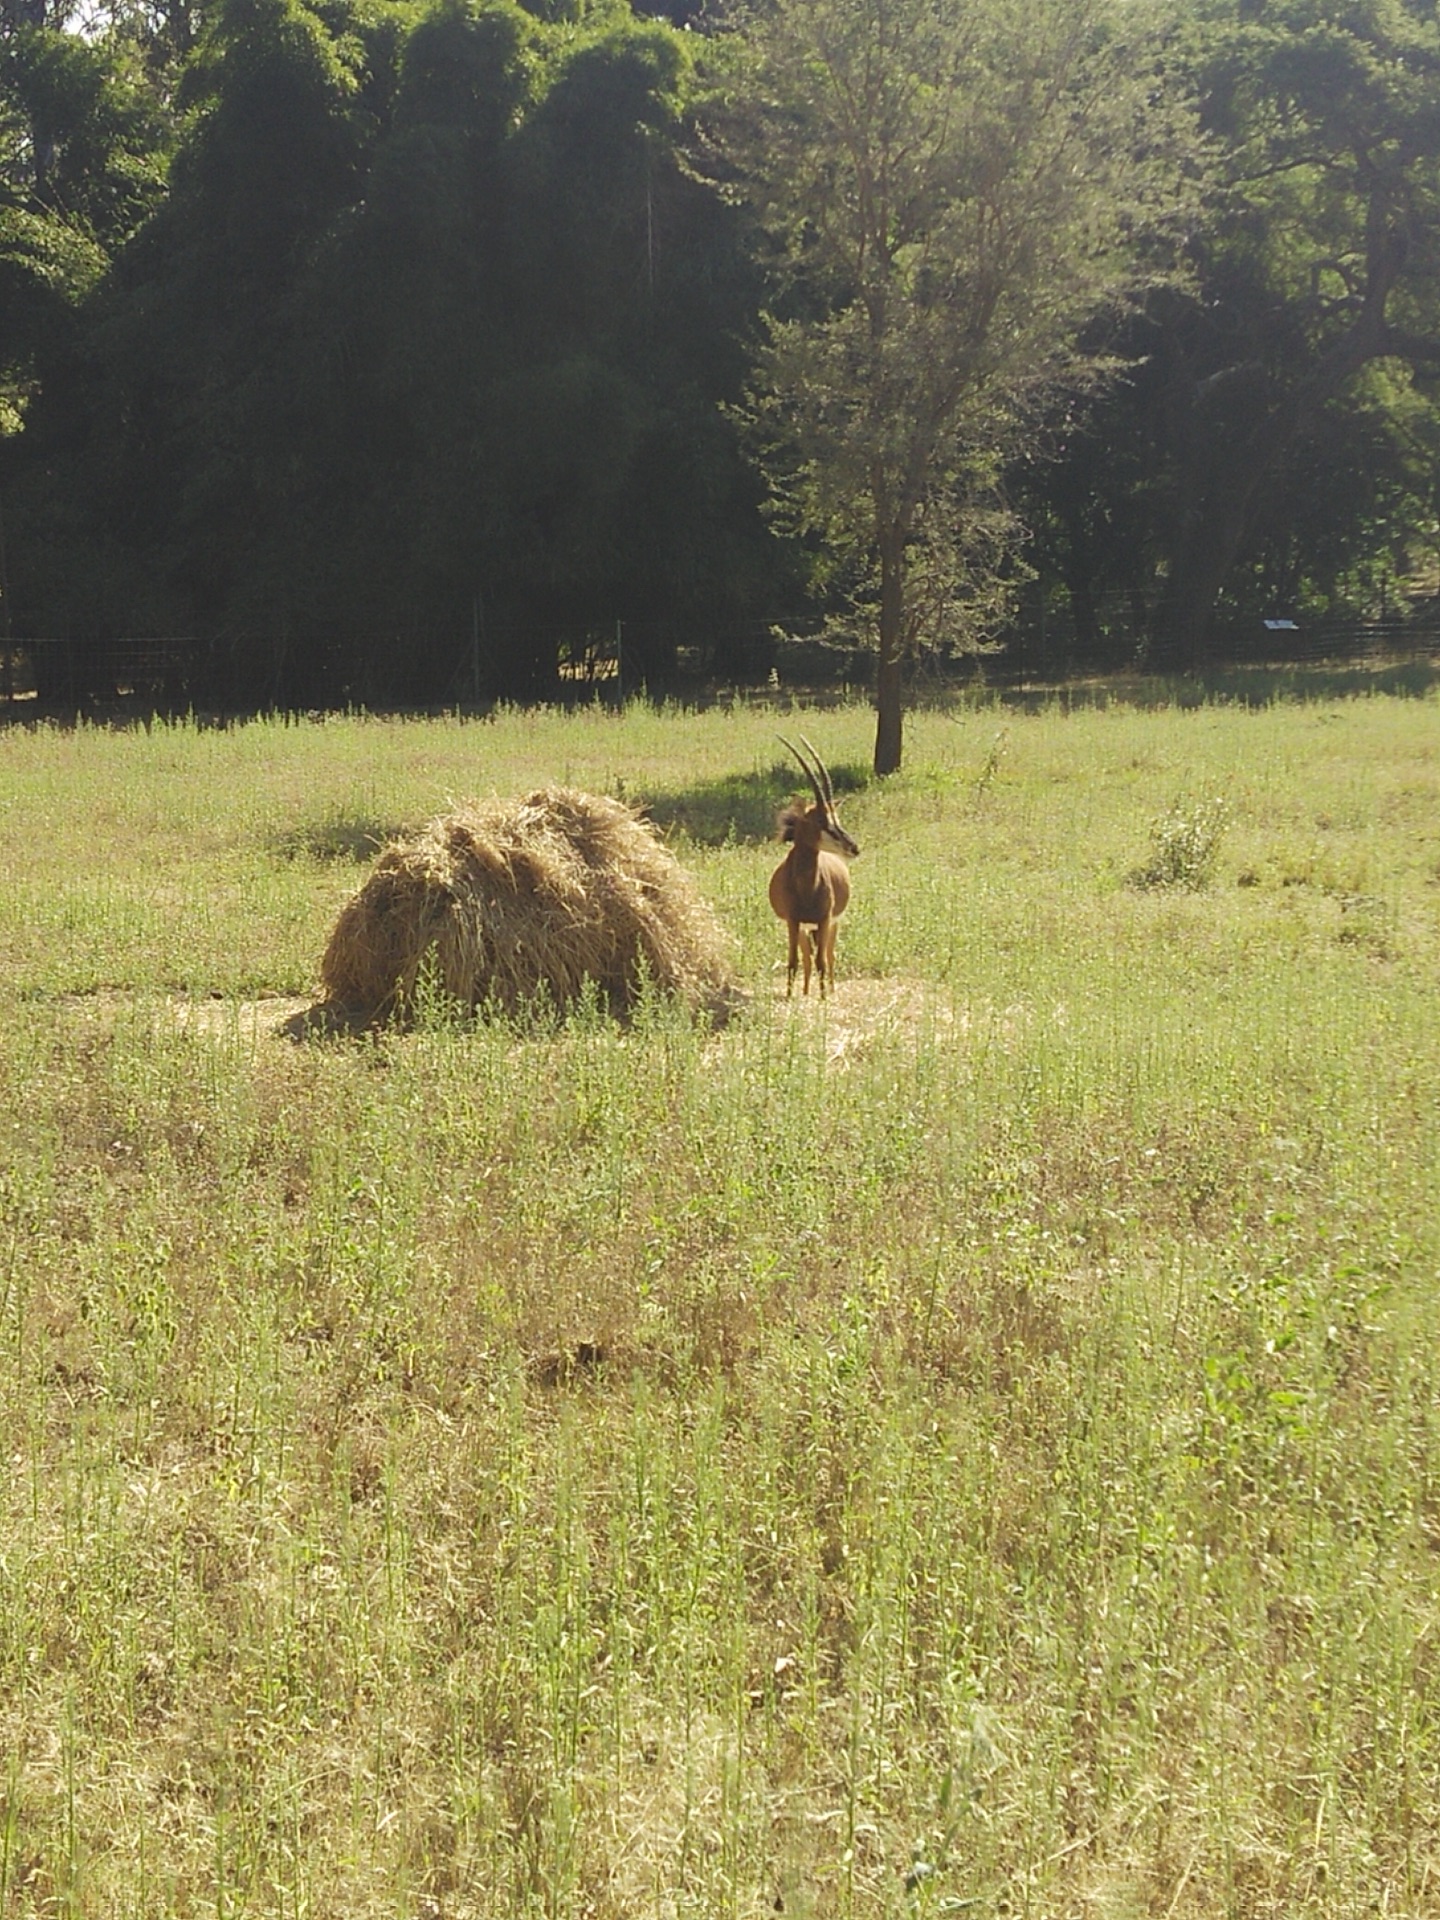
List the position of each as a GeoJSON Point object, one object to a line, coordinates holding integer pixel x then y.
{"type": "Point", "coordinates": [422, 358]}
{"type": "Point", "coordinates": [1274, 449]}
{"type": "Point", "coordinates": [395, 349]}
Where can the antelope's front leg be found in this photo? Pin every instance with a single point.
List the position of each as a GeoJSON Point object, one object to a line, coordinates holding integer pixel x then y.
{"type": "Point", "coordinates": [794, 962]}
{"type": "Point", "coordinates": [807, 948]}
{"type": "Point", "coordinates": [824, 946]}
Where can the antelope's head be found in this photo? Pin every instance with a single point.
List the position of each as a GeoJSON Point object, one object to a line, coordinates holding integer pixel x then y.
{"type": "Point", "coordinates": [819, 825]}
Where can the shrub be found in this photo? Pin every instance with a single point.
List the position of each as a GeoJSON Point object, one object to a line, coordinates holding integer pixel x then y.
{"type": "Point", "coordinates": [1184, 844]}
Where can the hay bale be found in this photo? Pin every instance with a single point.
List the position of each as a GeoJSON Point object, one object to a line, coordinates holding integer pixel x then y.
{"type": "Point", "coordinates": [513, 901]}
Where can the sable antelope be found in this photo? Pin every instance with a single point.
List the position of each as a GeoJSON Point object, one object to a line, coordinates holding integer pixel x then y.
{"type": "Point", "coordinates": [811, 885]}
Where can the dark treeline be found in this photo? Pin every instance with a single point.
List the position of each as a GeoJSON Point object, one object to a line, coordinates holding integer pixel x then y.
{"type": "Point", "coordinates": [422, 344]}
{"type": "Point", "coordinates": [377, 345]}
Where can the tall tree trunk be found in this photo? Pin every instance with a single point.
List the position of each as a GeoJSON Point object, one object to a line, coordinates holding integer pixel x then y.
{"type": "Point", "coordinates": [1080, 585]}
{"type": "Point", "coordinates": [1206, 551]}
{"type": "Point", "coordinates": [889, 687]}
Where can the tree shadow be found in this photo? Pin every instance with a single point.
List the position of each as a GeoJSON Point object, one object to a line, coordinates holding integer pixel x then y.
{"type": "Point", "coordinates": [740, 808]}
{"type": "Point", "coordinates": [1269, 685]}
{"type": "Point", "coordinates": [1259, 685]}
{"type": "Point", "coordinates": [737, 808]}
{"type": "Point", "coordinates": [337, 837]}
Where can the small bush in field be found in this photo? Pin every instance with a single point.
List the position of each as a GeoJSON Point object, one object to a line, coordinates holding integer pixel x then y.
{"type": "Point", "coordinates": [1184, 844]}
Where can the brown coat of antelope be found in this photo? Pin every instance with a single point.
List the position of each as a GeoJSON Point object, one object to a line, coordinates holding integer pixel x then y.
{"type": "Point", "coordinates": [811, 885]}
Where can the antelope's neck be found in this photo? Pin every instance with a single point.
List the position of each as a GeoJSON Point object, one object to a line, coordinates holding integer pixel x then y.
{"type": "Point", "coordinates": [805, 861]}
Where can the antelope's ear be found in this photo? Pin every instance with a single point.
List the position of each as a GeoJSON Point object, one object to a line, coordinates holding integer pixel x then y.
{"type": "Point", "coordinates": [788, 819]}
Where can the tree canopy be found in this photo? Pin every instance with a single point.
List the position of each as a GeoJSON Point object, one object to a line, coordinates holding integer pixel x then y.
{"type": "Point", "coordinates": [952, 194]}
{"type": "Point", "coordinates": [420, 363]}
{"type": "Point", "coordinates": [388, 349]}
{"type": "Point", "coordinates": [1276, 438]}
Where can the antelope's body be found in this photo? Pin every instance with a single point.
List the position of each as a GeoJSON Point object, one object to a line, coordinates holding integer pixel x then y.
{"type": "Point", "coordinates": [811, 886]}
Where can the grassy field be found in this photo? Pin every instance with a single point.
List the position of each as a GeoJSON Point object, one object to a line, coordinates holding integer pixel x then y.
{"type": "Point", "coordinates": [973, 1447]}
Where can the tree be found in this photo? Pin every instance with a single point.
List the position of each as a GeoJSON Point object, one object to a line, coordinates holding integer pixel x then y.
{"type": "Point", "coordinates": [406, 330]}
{"type": "Point", "coordinates": [82, 161]}
{"type": "Point", "coordinates": [1345, 525]}
{"type": "Point", "coordinates": [161, 453]}
{"type": "Point", "coordinates": [419, 366]}
{"type": "Point", "coordinates": [949, 190]}
{"type": "Point", "coordinates": [511, 434]}
{"type": "Point", "coordinates": [1320, 260]}
{"type": "Point", "coordinates": [623, 486]}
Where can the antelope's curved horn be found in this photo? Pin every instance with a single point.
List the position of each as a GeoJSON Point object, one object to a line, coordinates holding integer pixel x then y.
{"type": "Point", "coordinates": [824, 773]}
{"type": "Point", "coordinates": [804, 766]}
{"type": "Point", "coordinates": [815, 767]}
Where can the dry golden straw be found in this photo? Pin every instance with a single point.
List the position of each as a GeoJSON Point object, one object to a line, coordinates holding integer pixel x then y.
{"type": "Point", "coordinates": [505, 903]}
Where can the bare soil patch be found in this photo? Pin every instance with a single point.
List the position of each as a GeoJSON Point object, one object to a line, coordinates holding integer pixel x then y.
{"type": "Point", "coordinates": [269, 1014]}
{"type": "Point", "coordinates": [857, 1014]}
{"type": "Point", "coordinates": [860, 1011]}
{"type": "Point", "coordinates": [249, 1019]}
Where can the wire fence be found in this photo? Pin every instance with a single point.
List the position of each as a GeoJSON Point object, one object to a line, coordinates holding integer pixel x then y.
{"type": "Point", "coordinates": [177, 673]}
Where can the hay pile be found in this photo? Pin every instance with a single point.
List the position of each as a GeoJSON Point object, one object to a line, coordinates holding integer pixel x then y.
{"type": "Point", "coordinates": [508, 902]}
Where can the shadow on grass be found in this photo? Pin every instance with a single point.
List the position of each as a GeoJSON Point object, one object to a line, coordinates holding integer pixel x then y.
{"type": "Point", "coordinates": [327, 1020]}
{"type": "Point", "coordinates": [740, 808]}
{"type": "Point", "coordinates": [338, 837]}
{"type": "Point", "coordinates": [1244, 686]}
{"type": "Point", "coordinates": [540, 1019]}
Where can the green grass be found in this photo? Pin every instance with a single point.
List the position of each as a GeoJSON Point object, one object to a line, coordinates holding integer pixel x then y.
{"type": "Point", "coordinates": [970, 1448]}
